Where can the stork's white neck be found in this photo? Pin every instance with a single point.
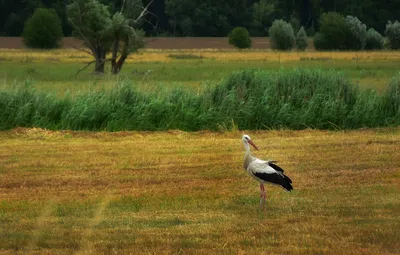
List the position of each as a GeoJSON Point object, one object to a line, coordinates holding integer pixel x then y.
{"type": "Point", "coordinates": [246, 148]}
{"type": "Point", "coordinates": [247, 155]}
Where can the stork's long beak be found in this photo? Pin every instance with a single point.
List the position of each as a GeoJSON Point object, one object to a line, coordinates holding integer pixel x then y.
{"type": "Point", "coordinates": [252, 144]}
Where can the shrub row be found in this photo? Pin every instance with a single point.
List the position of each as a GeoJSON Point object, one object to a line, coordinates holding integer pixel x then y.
{"type": "Point", "coordinates": [336, 33]}
{"type": "Point", "coordinates": [248, 99]}
{"type": "Point", "coordinates": [345, 33]}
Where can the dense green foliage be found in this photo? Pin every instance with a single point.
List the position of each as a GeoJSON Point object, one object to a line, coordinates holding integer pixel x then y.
{"type": "Point", "coordinates": [281, 35]}
{"type": "Point", "coordinates": [393, 34]}
{"type": "Point", "coordinates": [356, 34]}
{"type": "Point", "coordinates": [249, 99]}
{"type": "Point", "coordinates": [373, 40]}
{"type": "Point", "coordinates": [215, 17]}
{"type": "Point", "coordinates": [340, 33]}
{"type": "Point", "coordinates": [240, 38]}
{"type": "Point", "coordinates": [320, 42]}
{"type": "Point", "coordinates": [43, 29]}
{"type": "Point", "coordinates": [301, 39]}
{"type": "Point", "coordinates": [333, 32]}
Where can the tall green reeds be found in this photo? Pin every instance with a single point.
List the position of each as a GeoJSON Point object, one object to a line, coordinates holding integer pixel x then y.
{"type": "Point", "coordinates": [248, 99]}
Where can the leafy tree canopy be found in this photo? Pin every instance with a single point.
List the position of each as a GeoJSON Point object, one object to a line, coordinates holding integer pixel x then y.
{"type": "Point", "coordinates": [43, 29]}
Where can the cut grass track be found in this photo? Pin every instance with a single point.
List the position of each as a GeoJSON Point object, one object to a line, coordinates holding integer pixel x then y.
{"type": "Point", "coordinates": [178, 192]}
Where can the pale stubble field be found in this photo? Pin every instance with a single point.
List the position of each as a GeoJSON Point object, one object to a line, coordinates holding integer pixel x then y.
{"type": "Point", "coordinates": [178, 192]}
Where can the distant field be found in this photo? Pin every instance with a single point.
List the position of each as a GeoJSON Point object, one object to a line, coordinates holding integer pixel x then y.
{"type": "Point", "coordinates": [55, 70]}
{"type": "Point", "coordinates": [164, 43]}
{"type": "Point", "coordinates": [185, 193]}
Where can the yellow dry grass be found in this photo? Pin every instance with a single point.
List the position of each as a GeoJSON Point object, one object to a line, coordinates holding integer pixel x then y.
{"type": "Point", "coordinates": [184, 193]}
{"type": "Point", "coordinates": [151, 55]}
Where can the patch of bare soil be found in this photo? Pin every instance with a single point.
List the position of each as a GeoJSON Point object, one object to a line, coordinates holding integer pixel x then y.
{"type": "Point", "coordinates": [164, 43]}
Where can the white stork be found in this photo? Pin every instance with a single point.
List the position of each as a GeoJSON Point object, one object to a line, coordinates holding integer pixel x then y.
{"type": "Point", "coordinates": [263, 171]}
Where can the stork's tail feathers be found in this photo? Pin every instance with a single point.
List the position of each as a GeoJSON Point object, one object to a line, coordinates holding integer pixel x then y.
{"type": "Point", "coordinates": [286, 183]}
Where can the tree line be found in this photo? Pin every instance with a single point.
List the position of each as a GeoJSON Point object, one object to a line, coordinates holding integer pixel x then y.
{"type": "Point", "coordinates": [215, 17]}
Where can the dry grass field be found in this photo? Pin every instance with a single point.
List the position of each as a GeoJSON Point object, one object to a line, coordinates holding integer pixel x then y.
{"type": "Point", "coordinates": [157, 55]}
{"type": "Point", "coordinates": [64, 192]}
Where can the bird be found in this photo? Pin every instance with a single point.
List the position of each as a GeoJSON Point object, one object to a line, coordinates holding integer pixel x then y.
{"type": "Point", "coordinates": [264, 171]}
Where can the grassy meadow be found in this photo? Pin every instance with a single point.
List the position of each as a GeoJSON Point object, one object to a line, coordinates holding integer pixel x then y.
{"type": "Point", "coordinates": [183, 193]}
{"type": "Point", "coordinates": [150, 69]}
{"type": "Point", "coordinates": [176, 192]}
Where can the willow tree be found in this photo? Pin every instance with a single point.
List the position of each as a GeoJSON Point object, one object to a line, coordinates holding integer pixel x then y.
{"type": "Point", "coordinates": [104, 33]}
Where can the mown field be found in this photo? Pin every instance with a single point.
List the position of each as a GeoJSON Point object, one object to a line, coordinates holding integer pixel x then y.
{"type": "Point", "coordinates": [176, 192]}
{"type": "Point", "coordinates": [184, 193]}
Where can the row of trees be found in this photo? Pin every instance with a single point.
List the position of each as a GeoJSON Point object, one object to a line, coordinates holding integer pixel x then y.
{"type": "Point", "coordinates": [119, 33]}
{"type": "Point", "coordinates": [215, 17]}
{"type": "Point", "coordinates": [281, 37]}
{"type": "Point", "coordinates": [336, 33]}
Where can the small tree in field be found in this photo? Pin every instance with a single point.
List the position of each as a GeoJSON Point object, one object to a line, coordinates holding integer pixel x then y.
{"type": "Point", "coordinates": [43, 29]}
{"type": "Point", "coordinates": [240, 38]}
{"type": "Point", "coordinates": [301, 39]}
{"type": "Point", "coordinates": [393, 34]}
{"type": "Point", "coordinates": [281, 35]}
{"type": "Point", "coordinates": [103, 32]}
{"type": "Point", "coordinates": [374, 40]}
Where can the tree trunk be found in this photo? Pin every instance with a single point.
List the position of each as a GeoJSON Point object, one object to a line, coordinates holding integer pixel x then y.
{"type": "Point", "coordinates": [116, 66]}
{"type": "Point", "coordinates": [99, 66]}
{"type": "Point", "coordinates": [114, 55]}
{"type": "Point", "coordinates": [100, 61]}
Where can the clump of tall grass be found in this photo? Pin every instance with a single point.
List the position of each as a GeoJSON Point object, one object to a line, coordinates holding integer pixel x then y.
{"type": "Point", "coordinates": [247, 99]}
{"type": "Point", "coordinates": [391, 100]}
{"type": "Point", "coordinates": [295, 99]}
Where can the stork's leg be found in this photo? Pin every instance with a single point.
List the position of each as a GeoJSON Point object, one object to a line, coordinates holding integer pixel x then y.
{"type": "Point", "coordinates": [262, 196]}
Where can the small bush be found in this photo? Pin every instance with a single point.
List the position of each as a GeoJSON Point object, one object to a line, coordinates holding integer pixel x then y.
{"type": "Point", "coordinates": [301, 40]}
{"type": "Point", "coordinates": [240, 38]}
{"type": "Point", "coordinates": [393, 34]}
{"type": "Point", "coordinates": [373, 40]}
{"type": "Point", "coordinates": [281, 35]}
{"type": "Point", "coordinates": [319, 42]}
{"type": "Point", "coordinates": [43, 29]}
{"type": "Point", "coordinates": [356, 34]}
{"type": "Point", "coordinates": [386, 44]}
{"type": "Point", "coordinates": [332, 33]}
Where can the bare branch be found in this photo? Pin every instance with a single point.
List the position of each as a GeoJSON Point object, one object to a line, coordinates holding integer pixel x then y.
{"type": "Point", "coordinates": [82, 35]}
{"type": "Point", "coordinates": [151, 40]}
{"type": "Point", "coordinates": [80, 49]}
{"type": "Point", "coordinates": [88, 64]}
{"type": "Point", "coordinates": [123, 6]}
{"type": "Point", "coordinates": [144, 12]}
{"type": "Point", "coordinates": [153, 25]}
{"type": "Point", "coordinates": [79, 30]}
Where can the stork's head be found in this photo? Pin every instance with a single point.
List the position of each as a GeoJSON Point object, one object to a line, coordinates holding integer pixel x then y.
{"type": "Point", "coordinates": [247, 140]}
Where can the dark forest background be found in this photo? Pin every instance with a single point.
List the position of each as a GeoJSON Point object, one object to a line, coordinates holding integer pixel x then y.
{"type": "Point", "coordinates": [216, 17]}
